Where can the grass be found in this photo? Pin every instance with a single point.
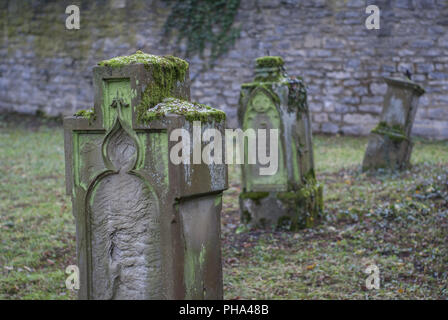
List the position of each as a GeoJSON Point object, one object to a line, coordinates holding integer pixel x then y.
{"type": "Point", "coordinates": [333, 153]}
{"type": "Point", "coordinates": [397, 221]}
{"type": "Point", "coordinates": [37, 230]}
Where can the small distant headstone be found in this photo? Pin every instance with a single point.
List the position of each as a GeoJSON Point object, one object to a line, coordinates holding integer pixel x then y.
{"type": "Point", "coordinates": [390, 144]}
{"type": "Point", "coordinates": [146, 228]}
{"type": "Point", "coordinates": [291, 197]}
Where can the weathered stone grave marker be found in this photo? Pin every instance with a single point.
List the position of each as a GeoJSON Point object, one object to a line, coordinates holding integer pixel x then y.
{"type": "Point", "coordinates": [290, 197]}
{"type": "Point", "coordinates": [146, 228]}
{"type": "Point", "coordinates": [390, 144]}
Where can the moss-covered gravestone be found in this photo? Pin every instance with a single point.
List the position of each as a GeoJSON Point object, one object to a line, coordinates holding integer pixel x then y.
{"type": "Point", "coordinates": [291, 197]}
{"type": "Point", "coordinates": [390, 144]}
{"type": "Point", "coordinates": [146, 228]}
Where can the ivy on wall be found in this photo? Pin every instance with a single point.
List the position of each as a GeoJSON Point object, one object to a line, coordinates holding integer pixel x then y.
{"type": "Point", "coordinates": [204, 23]}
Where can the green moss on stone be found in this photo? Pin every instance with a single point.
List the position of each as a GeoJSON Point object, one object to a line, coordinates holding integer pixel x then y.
{"type": "Point", "coordinates": [286, 223]}
{"type": "Point", "coordinates": [268, 86]}
{"type": "Point", "coordinates": [87, 113]}
{"type": "Point", "coordinates": [310, 176]}
{"type": "Point", "coordinates": [255, 196]}
{"type": "Point", "coordinates": [273, 76]}
{"type": "Point", "coordinates": [254, 84]}
{"type": "Point", "coordinates": [307, 201]}
{"type": "Point", "coordinates": [166, 72]}
{"type": "Point", "coordinates": [320, 198]}
{"type": "Point", "coordinates": [395, 133]}
{"type": "Point", "coordinates": [269, 69]}
{"type": "Point", "coordinates": [149, 60]}
{"type": "Point", "coordinates": [297, 94]}
{"type": "Point", "coordinates": [191, 110]}
{"type": "Point", "coordinates": [269, 62]}
{"type": "Point", "coordinates": [246, 217]}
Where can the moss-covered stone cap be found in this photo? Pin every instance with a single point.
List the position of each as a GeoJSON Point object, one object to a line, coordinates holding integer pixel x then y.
{"type": "Point", "coordinates": [406, 83]}
{"type": "Point", "coordinates": [191, 110]}
{"type": "Point", "coordinates": [269, 62]}
{"type": "Point", "coordinates": [146, 59]}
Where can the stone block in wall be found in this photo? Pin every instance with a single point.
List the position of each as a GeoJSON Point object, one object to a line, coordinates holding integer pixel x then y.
{"type": "Point", "coordinates": [378, 88]}
{"type": "Point", "coordinates": [354, 130]}
{"type": "Point", "coordinates": [438, 113]}
{"type": "Point", "coordinates": [329, 127]}
{"type": "Point", "coordinates": [361, 119]}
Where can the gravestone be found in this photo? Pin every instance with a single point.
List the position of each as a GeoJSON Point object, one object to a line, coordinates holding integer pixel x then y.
{"type": "Point", "coordinates": [291, 197]}
{"type": "Point", "coordinates": [146, 228]}
{"type": "Point", "coordinates": [390, 144]}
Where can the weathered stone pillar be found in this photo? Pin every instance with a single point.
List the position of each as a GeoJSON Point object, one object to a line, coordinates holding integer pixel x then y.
{"type": "Point", "coordinates": [291, 197]}
{"type": "Point", "coordinates": [390, 144]}
{"type": "Point", "coordinates": [147, 228]}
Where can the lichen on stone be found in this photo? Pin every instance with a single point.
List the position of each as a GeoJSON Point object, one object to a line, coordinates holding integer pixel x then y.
{"type": "Point", "coordinates": [191, 110]}
{"type": "Point", "coordinates": [166, 72]}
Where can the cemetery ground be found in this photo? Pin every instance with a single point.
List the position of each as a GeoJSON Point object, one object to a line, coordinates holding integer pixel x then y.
{"type": "Point", "coordinates": [398, 221]}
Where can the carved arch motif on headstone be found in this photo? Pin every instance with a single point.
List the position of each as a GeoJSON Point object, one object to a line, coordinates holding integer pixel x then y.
{"type": "Point", "coordinates": [262, 113]}
{"type": "Point", "coordinates": [125, 252]}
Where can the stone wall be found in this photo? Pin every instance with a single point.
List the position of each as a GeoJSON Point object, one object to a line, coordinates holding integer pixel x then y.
{"type": "Point", "coordinates": [45, 67]}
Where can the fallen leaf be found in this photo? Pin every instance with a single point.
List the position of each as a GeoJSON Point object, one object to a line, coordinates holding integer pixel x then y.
{"type": "Point", "coordinates": [311, 266]}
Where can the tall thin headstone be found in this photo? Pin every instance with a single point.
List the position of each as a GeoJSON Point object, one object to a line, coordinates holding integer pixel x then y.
{"type": "Point", "coordinates": [291, 197]}
{"type": "Point", "coordinates": [390, 144]}
{"type": "Point", "coordinates": [147, 228]}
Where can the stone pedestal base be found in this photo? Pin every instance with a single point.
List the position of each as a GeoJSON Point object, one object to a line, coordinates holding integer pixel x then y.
{"type": "Point", "coordinates": [292, 210]}
{"type": "Point", "coordinates": [385, 151]}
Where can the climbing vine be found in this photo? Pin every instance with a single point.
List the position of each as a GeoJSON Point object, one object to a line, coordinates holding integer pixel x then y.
{"type": "Point", "coordinates": [203, 23]}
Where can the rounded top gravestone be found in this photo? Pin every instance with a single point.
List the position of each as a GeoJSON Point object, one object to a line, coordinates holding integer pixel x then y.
{"type": "Point", "coordinates": [276, 104]}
